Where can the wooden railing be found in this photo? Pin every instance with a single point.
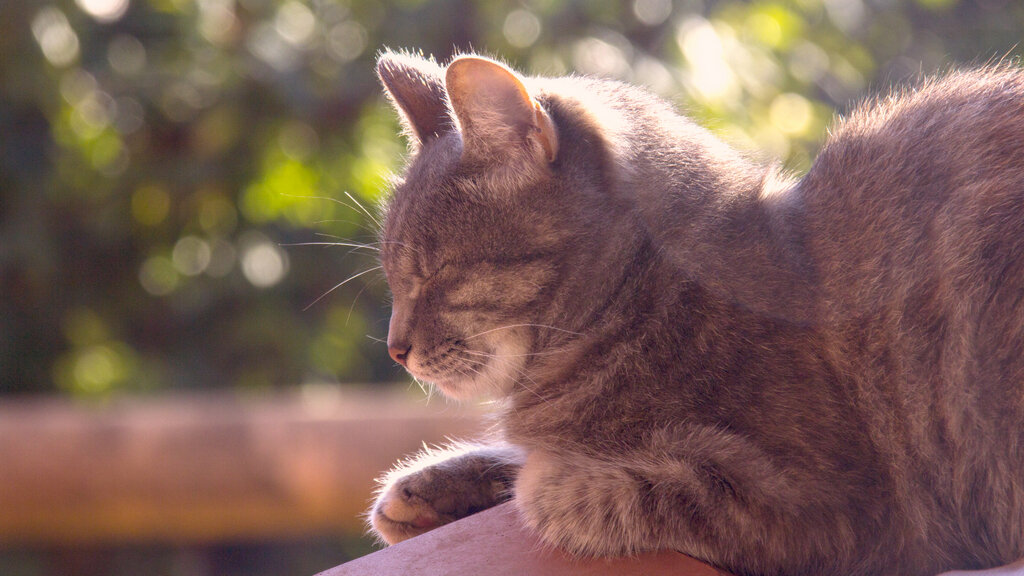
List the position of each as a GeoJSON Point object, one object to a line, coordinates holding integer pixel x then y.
{"type": "Point", "coordinates": [206, 468]}
{"type": "Point", "coordinates": [494, 543]}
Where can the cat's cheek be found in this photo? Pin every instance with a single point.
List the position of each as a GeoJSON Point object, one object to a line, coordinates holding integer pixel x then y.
{"type": "Point", "coordinates": [494, 377]}
{"type": "Point", "coordinates": [506, 364]}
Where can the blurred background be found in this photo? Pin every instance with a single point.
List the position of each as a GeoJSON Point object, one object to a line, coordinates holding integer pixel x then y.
{"type": "Point", "coordinates": [173, 319]}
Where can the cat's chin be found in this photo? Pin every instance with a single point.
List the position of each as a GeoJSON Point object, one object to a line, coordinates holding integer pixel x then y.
{"type": "Point", "coordinates": [493, 380]}
{"type": "Point", "coordinates": [462, 388]}
{"type": "Point", "coordinates": [455, 386]}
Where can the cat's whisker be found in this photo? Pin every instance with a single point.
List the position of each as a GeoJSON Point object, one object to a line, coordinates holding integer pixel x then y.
{"type": "Point", "coordinates": [358, 207]}
{"type": "Point", "coordinates": [531, 389]}
{"type": "Point", "coordinates": [488, 379]}
{"type": "Point", "coordinates": [343, 221]}
{"type": "Point", "coordinates": [376, 240]}
{"type": "Point", "coordinates": [355, 244]}
{"type": "Point", "coordinates": [525, 355]}
{"type": "Point", "coordinates": [471, 369]}
{"type": "Point", "coordinates": [425, 387]}
{"type": "Point", "coordinates": [353, 247]}
{"type": "Point", "coordinates": [340, 284]}
{"type": "Point", "coordinates": [526, 325]}
{"type": "Point", "coordinates": [344, 244]}
{"type": "Point", "coordinates": [402, 244]}
{"type": "Point", "coordinates": [471, 373]}
{"type": "Point", "coordinates": [352, 306]}
{"type": "Point", "coordinates": [373, 218]}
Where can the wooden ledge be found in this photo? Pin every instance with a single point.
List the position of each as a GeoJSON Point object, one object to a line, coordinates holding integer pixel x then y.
{"type": "Point", "coordinates": [495, 543]}
{"type": "Point", "coordinates": [199, 468]}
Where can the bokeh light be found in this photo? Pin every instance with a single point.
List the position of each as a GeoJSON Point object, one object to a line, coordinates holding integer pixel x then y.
{"type": "Point", "coordinates": [652, 12]}
{"type": "Point", "coordinates": [263, 262]}
{"type": "Point", "coordinates": [522, 28]}
{"type": "Point", "coordinates": [126, 54]}
{"type": "Point", "coordinates": [158, 276]}
{"type": "Point", "coordinates": [191, 255]}
{"type": "Point", "coordinates": [104, 10]}
{"type": "Point", "coordinates": [56, 39]}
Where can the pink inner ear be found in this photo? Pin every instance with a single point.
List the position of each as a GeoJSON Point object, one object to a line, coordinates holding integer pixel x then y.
{"type": "Point", "coordinates": [546, 132]}
{"type": "Point", "coordinates": [493, 106]}
{"type": "Point", "coordinates": [486, 96]}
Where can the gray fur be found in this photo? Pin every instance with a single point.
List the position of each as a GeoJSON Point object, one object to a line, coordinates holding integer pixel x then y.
{"type": "Point", "coordinates": [822, 376]}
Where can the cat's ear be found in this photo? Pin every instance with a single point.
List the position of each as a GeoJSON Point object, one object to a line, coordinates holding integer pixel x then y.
{"type": "Point", "coordinates": [496, 113]}
{"type": "Point", "coordinates": [416, 88]}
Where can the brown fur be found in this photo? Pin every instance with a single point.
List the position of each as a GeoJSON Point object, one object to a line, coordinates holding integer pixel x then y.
{"type": "Point", "coordinates": [808, 377]}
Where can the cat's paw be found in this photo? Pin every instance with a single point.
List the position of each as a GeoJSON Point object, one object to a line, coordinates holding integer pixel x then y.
{"type": "Point", "coordinates": [440, 486]}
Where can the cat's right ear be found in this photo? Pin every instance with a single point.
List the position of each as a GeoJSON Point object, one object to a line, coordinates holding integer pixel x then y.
{"type": "Point", "coordinates": [415, 86]}
{"type": "Point", "coordinates": [496, 113]}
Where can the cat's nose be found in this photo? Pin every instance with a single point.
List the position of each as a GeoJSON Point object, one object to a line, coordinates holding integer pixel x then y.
{"type": "Point", "coordinates": [399, 353]}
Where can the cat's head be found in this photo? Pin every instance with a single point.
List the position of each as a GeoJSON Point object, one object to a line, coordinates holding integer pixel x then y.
{"type": "Point", "coordinates": [481, 234]}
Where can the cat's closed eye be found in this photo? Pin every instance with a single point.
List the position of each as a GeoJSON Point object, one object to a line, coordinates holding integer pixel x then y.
{"type": "Point", "coordinates": [498, 285]}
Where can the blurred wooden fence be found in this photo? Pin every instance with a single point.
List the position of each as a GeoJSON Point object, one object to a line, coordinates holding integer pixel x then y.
{"type": "Point", "coordinates": [204, 468]}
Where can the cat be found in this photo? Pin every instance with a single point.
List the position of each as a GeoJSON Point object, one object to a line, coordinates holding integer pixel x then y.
{"type": "Point", "coordinates": [692, 351]}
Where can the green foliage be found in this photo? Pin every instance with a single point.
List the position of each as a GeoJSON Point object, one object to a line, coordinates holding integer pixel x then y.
{"type": "Point", "coordinates": [163, 163]}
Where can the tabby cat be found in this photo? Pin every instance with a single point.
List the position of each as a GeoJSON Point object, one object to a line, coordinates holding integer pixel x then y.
{"type": "Point", "coordinates": [695, 352]}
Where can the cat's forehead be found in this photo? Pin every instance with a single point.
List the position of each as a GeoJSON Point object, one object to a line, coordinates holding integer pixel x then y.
{"type": "Point", "coordinates": [428, 172]}
{"type": "Point", "coordinates": [434, 160]}
{"type": "Point", "coordinates": [419, 200]}
{"type": "Point", "coordinates": [447, 207]}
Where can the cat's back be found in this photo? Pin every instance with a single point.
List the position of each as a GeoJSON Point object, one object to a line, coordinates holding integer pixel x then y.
{"type": "Point", "coordinates": [926, 181]}
{"type": "Point", "coordinates": [914, 218]}
{"type": "Point", "coordinates": [914, 227]}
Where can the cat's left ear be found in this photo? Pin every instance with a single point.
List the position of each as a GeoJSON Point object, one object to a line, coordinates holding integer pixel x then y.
{"type": "Point", "coordinates": [495, 112]}
{"type": "Point", "coordinates": [416, 88]}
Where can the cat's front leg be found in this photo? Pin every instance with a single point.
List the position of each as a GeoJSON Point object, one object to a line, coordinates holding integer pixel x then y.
{"type": "Point", "coordinates": [723, 502]}
{"type": "Point", "coordinates": [438, 486]}
{"type": "Point", "coordinates": [582, 505]}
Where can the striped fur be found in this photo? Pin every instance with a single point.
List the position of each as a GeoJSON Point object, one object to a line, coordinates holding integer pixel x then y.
{"type": "Point", "coordinates": [691, 351]}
